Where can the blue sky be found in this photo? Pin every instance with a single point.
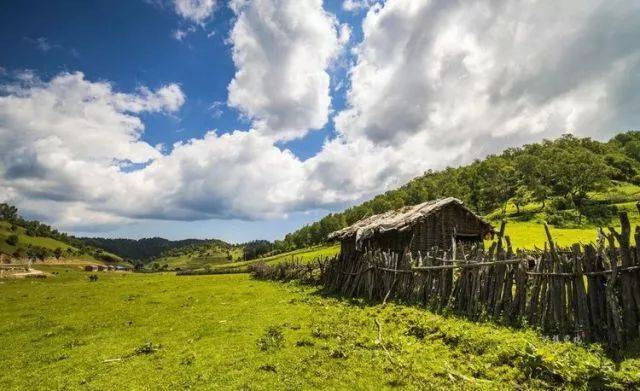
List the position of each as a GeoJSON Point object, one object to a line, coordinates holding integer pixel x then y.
{"type": "Point", "coordinates": [131, 43]}
{"type": "Point", "coordinates": [310, 114]}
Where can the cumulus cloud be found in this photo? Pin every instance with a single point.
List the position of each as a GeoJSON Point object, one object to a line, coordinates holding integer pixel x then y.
{"type": "Point", "coordinates": [65, 139]}
{"type": "Point", "coordinates": [66, 143]}
{"type": "Point", "coordinates": [356, 5]}
{"type": "Point", "coordinates": [483, 71]}
{"type": "Point", "coordinates": [433, 84]}
{"type": "Point", "coordinates": [282, 49]}
{"type": "Point", "coordinates": [195, 10]}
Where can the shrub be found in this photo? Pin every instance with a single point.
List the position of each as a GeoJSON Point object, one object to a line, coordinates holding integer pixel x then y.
{"type": "Point", "coordinates": [93, 278]}
{"type": "Point", "coordinates": [599, 213]}
{"type": "Point", "coordinates": [12, 240]}
{"type": "Point", "coordinates": [306, 273]}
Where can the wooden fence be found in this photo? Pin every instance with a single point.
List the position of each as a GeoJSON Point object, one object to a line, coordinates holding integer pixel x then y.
{"type": "Point", "coordinates": [586, 293]}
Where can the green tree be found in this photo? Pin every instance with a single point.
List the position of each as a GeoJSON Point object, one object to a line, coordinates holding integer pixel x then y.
{"type": "Point", "coordinates": [521, 198]}
{"type": "Point", "coordinates": [8, 212]}
{"type": "Point", "coordinates": [576, 172]}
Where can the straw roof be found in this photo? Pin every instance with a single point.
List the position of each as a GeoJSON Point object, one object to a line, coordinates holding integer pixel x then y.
{"type": "Point", "coordinates": [398, 220]}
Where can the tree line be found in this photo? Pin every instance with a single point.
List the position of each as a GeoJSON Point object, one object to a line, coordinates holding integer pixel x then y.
{"type": "Point", "coordinates": [558, 176]}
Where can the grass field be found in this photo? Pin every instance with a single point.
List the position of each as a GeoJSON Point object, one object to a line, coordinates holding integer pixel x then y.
{"type": "Point", "coordinates": [194, 260]}
{"type": "Point", "coordinates": [161, 331]}
{"type": "Point", "coordinates": [530, 234]}
{"type": "Point", "coordinates": [302, 255]}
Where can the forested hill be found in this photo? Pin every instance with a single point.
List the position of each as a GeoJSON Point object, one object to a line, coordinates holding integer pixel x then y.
{"type": "Point", "coordinates": [560, 176]}
{"type": "Point", "coordinates": [147, 248]}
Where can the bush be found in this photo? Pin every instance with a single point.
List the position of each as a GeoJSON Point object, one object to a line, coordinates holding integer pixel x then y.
{"type": "Point", "coordinates": [306, 273]}
{"type": "Point", "coordinates": [12, 240]}
{"type": "Point", "coordinates": [93, 278]}
{"type": "Point", "coordinates": [599, 213]}
{"type": "Point", "coordinates": [560, 218]}
{"type": "Point", "coordinates": [560, 203]}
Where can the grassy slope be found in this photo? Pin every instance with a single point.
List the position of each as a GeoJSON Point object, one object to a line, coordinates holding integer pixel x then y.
{"type": "Point", "coordinates": [302, 255]}
{"type": "Point", "coordinates": [24, 241]}
{"type": "Point", "coordinates": [66, 332]}
{"type": "Point", "coordinates": [530, 234]}
{"type": "Point", "coordinates": [214, 257]}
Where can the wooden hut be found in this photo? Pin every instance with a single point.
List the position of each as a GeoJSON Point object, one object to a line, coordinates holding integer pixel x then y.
{"type": "Point", "coordinates": [419, 228]}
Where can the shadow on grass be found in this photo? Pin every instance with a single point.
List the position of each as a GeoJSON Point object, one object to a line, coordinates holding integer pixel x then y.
{"type": "Point", "coordinates": [629, 351]}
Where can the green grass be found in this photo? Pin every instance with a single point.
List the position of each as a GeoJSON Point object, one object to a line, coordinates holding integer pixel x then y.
{"type": "Point", "coordinates": [530, 234]}
{"type": "Point", "coordinates": [160, 331]}
{"type": "Point", "coordinates": [209, 256]}
{"type": "Point", "coordinates": [301, 255]}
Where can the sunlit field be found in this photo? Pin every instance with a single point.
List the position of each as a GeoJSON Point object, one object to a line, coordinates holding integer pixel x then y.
{"type": "Point", "coordinates": [161, 331]}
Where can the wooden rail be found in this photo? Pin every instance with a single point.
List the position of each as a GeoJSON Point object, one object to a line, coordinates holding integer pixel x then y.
{"type": "Point", "coordinates": [589, 293]}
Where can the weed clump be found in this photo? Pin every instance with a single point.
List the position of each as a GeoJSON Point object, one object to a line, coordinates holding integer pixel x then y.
{"type": "Point", "coordinates": [304, 342]}
{"type": "Point", "coordinates": [146, 348]}
{"type": "Point", "coordinates": [272, 339]}
{"type": "Point", "coordinates": [188, 359]}
{"type": "Point", "coordinates": [93, 278]}
{"type": "Point", "coordinates": [268, 368]}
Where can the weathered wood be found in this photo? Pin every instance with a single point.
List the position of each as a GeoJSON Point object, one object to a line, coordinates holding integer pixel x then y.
{"type": "Point", "coordinates": [586, 292]}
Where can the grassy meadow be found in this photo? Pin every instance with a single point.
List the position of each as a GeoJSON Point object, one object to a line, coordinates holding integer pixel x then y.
{"type": "Point", "coordinates": [196, 260]}
{"type": "Point", "coordinates": [303, 255]}
{"type": "Point", "coordinates": [161, 331]}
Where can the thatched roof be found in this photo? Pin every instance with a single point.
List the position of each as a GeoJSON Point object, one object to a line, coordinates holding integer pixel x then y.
{"type": "Point", "coordinates": [399, 220]}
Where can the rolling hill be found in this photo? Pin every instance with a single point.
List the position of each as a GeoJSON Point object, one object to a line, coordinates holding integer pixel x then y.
{"type": "Point", "coordinates": [574, 184]}
{"type": "Point", "coordinates": [47, 247]}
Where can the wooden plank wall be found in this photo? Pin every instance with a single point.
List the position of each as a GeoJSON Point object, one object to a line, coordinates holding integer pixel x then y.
{"type": "Point", "coordinates": [583, 293]}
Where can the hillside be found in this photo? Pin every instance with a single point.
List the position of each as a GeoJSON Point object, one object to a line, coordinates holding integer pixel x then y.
{"type": "Point", "coordinates": [16, 242]}
{"type": "Point", "coordinates": [301, 255]}
{"type": "Point", "coordinates": [574, 184]}
{"type": "Point", "coordinates": [147, 249]}
{"type": "Point", "coordinates": [198, 256]}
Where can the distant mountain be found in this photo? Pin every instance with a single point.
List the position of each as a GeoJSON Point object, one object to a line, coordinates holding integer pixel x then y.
{"type": "Point", "coordinates": [146, 248]}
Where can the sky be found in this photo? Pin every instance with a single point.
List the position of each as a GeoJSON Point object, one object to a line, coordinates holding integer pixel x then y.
{"type": "Point", "coordinates": [246, 119]}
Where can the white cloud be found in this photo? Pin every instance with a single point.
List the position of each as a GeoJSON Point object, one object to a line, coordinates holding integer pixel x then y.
{"type": "Point", "coordinates": [67, 144]}
{"type": "Point", "coordinates": [433, 84]}
{"type": "Point", "coordinates": [181, 34]}
{"type": "Point", "coordinates": [475, 77]}
{"type": "Point", "coordinates": [217, 109]}
{"type": "Point", "coordinates": [65, 139]}
{"type": "Point", "coordinates": [357, 5]}
{"type": "Point", "coordinates": [197, 11]}
{"type": "Point", "coordinates": [282, 49]}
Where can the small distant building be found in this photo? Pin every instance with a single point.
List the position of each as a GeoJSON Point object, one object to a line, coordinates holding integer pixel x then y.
{"type": "Point", "coordinates": [101, 268]}
{"type": "Point", "coordinates": [90, 268]}
{"type": "Point", "coordinates": [419, 228]}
